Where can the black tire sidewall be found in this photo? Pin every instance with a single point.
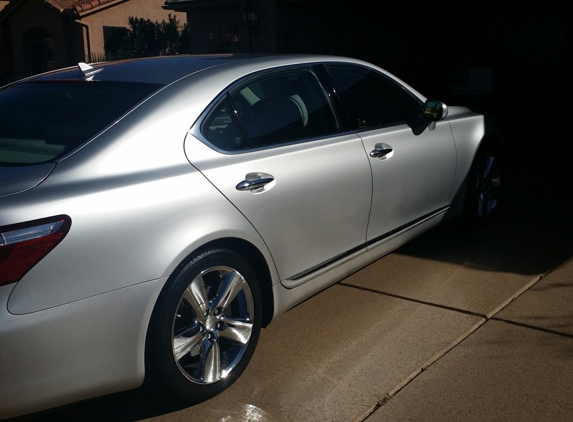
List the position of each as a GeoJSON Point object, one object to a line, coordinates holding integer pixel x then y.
{"type": "Point", "coordinates": [160, 364]}
{"type": "Point", "coordinates": [490, 148]}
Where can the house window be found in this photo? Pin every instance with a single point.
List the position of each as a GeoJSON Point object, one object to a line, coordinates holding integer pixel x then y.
{"type": "Point", "coordinates": [224, 38]}
{"type": "Point", "coordinates": [115, 42]}
{"type": "Point", "coordinates": [39, 46]}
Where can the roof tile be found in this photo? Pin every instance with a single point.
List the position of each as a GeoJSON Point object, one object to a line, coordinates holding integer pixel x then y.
{"type": "Point", "coordinates": [78, 5]}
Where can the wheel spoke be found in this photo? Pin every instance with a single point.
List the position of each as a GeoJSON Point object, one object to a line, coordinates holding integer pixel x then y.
{"type": "Point", "coordinates": [196, 296]}
{"type": "Point", "coordinates": [480, 205]}
{"type": "Point", "coordinates": [487, 165]}
{"type": "Point", "coordinates": [210, 363]}
{"type": "Point", "coordinates": [485, 185]}
{"type": "Point", "coordinates": [183, 345]}
{"type": "Point", "coordinates": [213, 326]}
{"type": "Point", "coordinates": [231, 286]}
{"type": "Point", "coordinates": [238, 331]}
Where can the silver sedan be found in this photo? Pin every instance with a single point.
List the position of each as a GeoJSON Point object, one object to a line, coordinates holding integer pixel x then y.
{"type": "Point", "coordinates": [156, 213]}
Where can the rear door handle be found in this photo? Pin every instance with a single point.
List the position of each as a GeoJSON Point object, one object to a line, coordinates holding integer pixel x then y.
{"type": "Point", "coordinates": [254, 184]}
{"type": "Point", "coordinates": [381, 151]}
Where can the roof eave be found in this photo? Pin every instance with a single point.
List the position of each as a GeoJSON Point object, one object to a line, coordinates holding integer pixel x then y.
{"type": "Point", "coordinates": [186, 5]}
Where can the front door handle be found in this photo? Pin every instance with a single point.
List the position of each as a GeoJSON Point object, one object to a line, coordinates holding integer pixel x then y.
{"type": "Point", "coordinates": [253, 185]}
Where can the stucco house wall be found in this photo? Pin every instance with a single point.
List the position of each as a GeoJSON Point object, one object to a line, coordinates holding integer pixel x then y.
{"type": "Point", "coordinates": [116, 14]}
{"type": "Point", "coordinates": [36, 36]}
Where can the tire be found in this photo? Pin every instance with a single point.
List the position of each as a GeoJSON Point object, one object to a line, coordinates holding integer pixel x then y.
{"type": "Point", "coordinates": [485, 188]}
{"type": "Point", "coordinates": [205, 326]}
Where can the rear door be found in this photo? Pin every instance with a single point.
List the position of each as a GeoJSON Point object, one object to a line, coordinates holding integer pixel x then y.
{"type": "Point", "coordinates": [277, 153]}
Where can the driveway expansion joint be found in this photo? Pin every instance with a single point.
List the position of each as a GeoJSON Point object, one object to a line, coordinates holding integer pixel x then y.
{"type": "Point", "coordinates": [414, 300]}
{"type": "Point", "coordinates": [485, 318]}
{"type": "Point", "coordinates": [533, 327]}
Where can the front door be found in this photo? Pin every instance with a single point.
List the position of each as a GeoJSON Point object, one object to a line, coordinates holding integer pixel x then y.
{"type": "Point", "coordinates": [413, 164]}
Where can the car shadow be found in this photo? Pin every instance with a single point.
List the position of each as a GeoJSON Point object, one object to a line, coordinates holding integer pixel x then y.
{"type": "Point", "coordinates": [533, 231]}
{"type": "Point", "coordinates": [138, 404]}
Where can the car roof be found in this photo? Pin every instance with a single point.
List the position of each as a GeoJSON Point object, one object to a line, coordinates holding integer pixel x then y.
{"type": "Point", "coordinates": [167, 69]}
{"type": "Point", "coordinates": [157, 70]}
{"type": "Point", "coordinates": [226, 68]}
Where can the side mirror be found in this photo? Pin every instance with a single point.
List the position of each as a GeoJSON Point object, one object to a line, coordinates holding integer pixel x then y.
{"type": "Point", "coordinates": [435, 110]}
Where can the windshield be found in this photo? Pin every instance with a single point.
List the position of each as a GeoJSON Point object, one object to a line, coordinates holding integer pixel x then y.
{"type": "Point", "coordinates": [41, 121]}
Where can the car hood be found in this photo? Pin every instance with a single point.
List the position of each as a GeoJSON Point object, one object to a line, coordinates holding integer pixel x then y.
{"type": "Point", "coordinates": [19, 179]}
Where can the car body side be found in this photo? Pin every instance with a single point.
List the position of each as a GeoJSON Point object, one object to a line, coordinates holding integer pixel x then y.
{"type": "Point", "coordinates": [138, 184]}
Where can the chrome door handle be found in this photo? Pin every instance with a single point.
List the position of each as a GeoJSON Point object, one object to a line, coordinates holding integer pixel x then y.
{"type": "Point", "coordinates": [254, 184]}
{"type": "Point", "coordinates": [381, 151]}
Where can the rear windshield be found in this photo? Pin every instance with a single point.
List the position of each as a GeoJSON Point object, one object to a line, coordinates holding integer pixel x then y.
{"type": "Point", "coordinates": [41, 121]}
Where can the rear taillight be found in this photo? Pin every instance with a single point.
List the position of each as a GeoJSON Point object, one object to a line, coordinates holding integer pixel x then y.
{"type": "Point", "coordinates": [24, 245]}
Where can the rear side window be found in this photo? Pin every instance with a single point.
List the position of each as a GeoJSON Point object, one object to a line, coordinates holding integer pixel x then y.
{"type": "Point", "coordinates": [41, 121]}
{"type": "Point", "coordinates": [222, 129]}
{"type": "Point", "coordinates": [278, 108]}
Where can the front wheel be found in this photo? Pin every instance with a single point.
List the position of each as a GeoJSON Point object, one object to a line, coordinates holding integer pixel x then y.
{"type": "Point", "coordinates": [205, 325]}
{"type": "Point", "coordinates": [485, 184]}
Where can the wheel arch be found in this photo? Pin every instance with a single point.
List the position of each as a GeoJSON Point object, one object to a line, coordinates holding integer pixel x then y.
{"type": "Point", "coordinates": [491, 143]}
{"type": "Point", "coordinates": [259, 264]}
{"type": "Point", "coordinates": [496, 140]}
{"type": "Point", "coordinates": [471, 134]}
{"type": "Point", "coordinates": [493, 139]}
{"type": "Point", "coordinates": [157, 375]}
{"type": "Point", "coordinates": [253, 256]}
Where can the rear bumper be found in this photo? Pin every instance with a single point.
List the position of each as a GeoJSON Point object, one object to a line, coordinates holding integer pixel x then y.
{"type": "Point", "coordinates": [76, 351]}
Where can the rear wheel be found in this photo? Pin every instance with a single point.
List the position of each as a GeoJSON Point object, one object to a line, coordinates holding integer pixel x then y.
{"type": "Point", "coordinates": [205, 325]}
{"type": "Point", "coordinates": [485, 184]}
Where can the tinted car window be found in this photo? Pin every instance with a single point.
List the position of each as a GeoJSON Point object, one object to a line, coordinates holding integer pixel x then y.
{"type": "Point", "coordinates": [41, 121]}
{"type": "Point", "coordinates": [284, 107]}
{"type": "Point", "coordinates": [222, 129]}
{"type": "Point", "coordinates": [372, 100]}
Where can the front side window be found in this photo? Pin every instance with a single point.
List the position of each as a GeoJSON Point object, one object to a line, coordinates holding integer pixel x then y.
{"type": "Point", "coordinates": [41, 121]}
{"type": "Point", "coordinates": [370, 99]}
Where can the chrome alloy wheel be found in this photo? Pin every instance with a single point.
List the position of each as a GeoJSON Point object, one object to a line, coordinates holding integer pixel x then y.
{"type": "Point", "coordinates": [485, 185]}
{"type": "Point", "coordinates": [212, 325]}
